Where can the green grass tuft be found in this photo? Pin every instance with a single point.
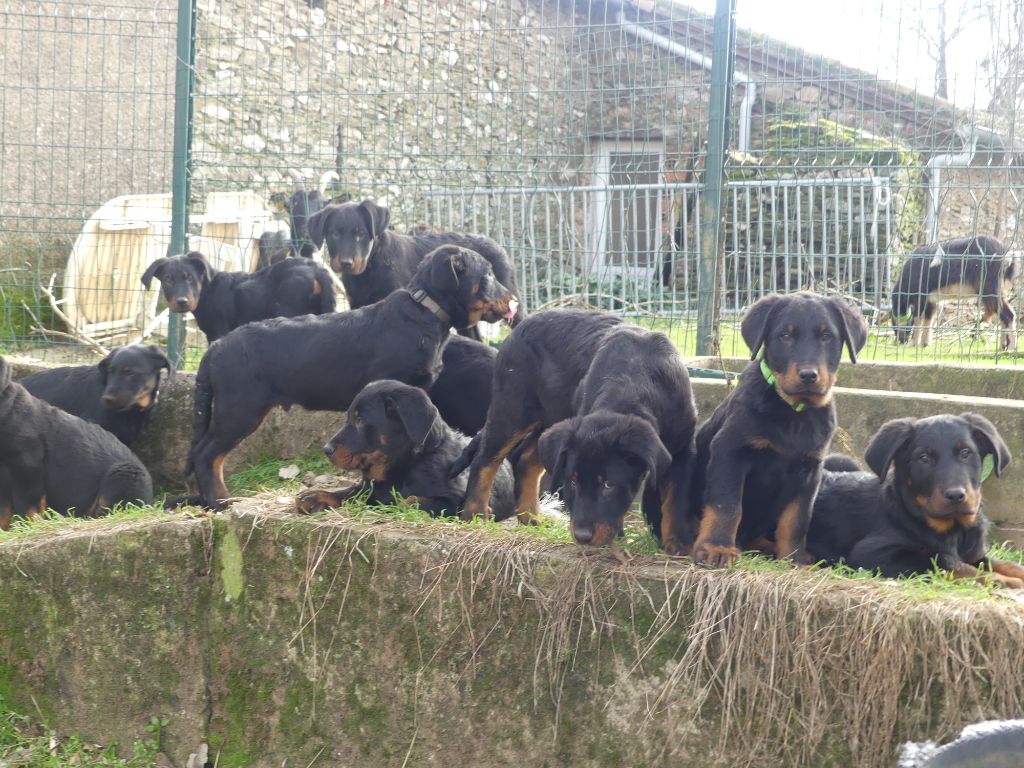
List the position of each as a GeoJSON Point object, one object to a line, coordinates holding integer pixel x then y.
{"type": "Point", "coordinates": [28, 745]}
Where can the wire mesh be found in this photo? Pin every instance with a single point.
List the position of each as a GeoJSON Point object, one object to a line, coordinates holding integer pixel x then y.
{"type": "Point", "coordinates": [574, 133]}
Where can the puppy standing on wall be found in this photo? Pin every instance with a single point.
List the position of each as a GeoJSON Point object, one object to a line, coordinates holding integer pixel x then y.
{"type": "Point", "coordinates": [965, 266]}
{"type": "Point", "coordinates": [321, 363]}
{"type": "Point", "coordinates": [759, 456]}
{"type": "Point", "coordinates": [222, 301]}
{"type": "Point", "coordinates": [927, 510]}
{"type": "Point", "coordinates": [373, 261]}
{"type": "Point", "coordinates": [619, 415]}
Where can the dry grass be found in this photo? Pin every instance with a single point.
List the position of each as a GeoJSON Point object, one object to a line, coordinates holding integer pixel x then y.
{"type": "Point", "coordinates": [781, 663]}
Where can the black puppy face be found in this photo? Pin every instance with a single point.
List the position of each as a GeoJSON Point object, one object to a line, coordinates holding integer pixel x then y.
{"type": "Point", "coordinates": [598, 463]}
{"type": "Point", "coordinates": [803, 337]}
{"type": "Point", "coordinates": [387, 422]}
{"type": "Point", "coordinates": [182, 279]}
{"type": "Point", "coordinates": [938, 465]}
{"type": "Point", "coordinates": [349, 231]}
{"type": "Point", "coordinates": [132, 377]}
{"type": "Point", "coordinates": [463, 283]}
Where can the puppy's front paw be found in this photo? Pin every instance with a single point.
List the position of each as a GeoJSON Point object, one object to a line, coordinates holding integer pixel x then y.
{"type": "Point", "coordinates": [313, 500]}
{"type": "Point", "coordinates": [715, 555]}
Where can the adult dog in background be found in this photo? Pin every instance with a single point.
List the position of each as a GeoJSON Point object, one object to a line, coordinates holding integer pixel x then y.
{"type": "Point", "coordinates": [921, 504]}
{"type": "Point", "coordinates": [978, 266]}
{"type": "Point", "coordinates": [760, 455]}
{"type": "Point", "coordinates": [374, 261]}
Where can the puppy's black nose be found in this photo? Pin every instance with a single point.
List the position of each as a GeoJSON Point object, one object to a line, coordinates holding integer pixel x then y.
{"type": "Point", "coordinates": [181, 302]}
{"type": "Point", "coordinates": [329, 449]}
{"type": "Point", "coordinates": [955, 495]}
{"type": "Point", "coordinates": [583, 532]}
{"type": "Point", "coordinates": [808, 375]}
{"type": "Point", "coordinates": [107, 400]}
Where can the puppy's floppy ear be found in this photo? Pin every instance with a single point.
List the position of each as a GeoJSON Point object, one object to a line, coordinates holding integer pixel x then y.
{"type": "Point", "coordinates": [552, 448]}
{"type": "Point", "coordinates": [887, 441]}
{"type": "Point", "coordinates": [158, 356]}
{"type": "Point", "coordinates": [316, 224]}
{"type": "Point", "coordinates": [852, 328]}
{"type": "Point", "coordinates": [459, 260]}
{"type": "Point", "coordinates": [990, 442]}
{"type": "Point", "coordinates": [413, 408]}
{"type": "Point", "coordinates": [757, 321]}
{"type": "Point", "coordinates": [377, 215]}
{"type": "Point", "coordinates": [153, 270]}
{"type": "Point", "coordinates": [199, 263]}
{"type": "Point", "coordinates": [104, 364]}
{"type": "Point", "coordinates": [640, 441]}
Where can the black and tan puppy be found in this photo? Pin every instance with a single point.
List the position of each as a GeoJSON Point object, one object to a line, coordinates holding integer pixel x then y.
{"type": "Point", "coordinates": [927, 510]}
{"type": "Point", "coordinates": [50, 459]}
{"type": "Point", "coordinates": [395, 437]}
{"type": "Point", "coordinates": [119, 393]}
{"type": "Point", "coordinates": [374, 261]}
{"type": "Point", "coordinates": [223, 301]}
{"type": "Point", "coordinates": [321, 363]}
{"type": "Point", "coordinates": [617, 414]}
{"type": "Point", "coordinates": [759, 456]}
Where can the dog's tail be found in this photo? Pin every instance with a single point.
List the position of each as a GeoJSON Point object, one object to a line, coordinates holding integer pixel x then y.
{"type": "Point", "coordinates": [202, 409]}
{"type": "Point", "coordinates": [1012, 266]}
{"type": "Point", "coordinates": [466, 457]}
{"type": "Point", "coordinates": [325, 288]}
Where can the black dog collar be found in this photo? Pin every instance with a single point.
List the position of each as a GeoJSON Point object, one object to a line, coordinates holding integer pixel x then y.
{"type": "Point", "coordinates": [420, 297]}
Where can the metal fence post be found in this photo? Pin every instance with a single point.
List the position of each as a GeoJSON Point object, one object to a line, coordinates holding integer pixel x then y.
{"type": "Point", "coordinates": [714, 166]}
{"type": "Point", "coordinates": [184, 81]}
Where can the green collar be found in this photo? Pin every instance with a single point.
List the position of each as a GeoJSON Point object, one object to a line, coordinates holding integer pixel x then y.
{"type": "Point", "coordinates": [987, 465]}
{"type": "Point", "coordinates": [772, 381]}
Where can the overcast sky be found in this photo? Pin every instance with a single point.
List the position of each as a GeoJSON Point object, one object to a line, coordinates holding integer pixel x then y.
{"type": "Point", "coordinates": [878, 36]}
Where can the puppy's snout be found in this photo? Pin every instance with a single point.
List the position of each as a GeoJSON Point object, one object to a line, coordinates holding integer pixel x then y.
{"type": "Point", "coordinates": [955, 495]}
{"type": "Point", "coordinates": [108, 400]}
{"type": "Point", "coordinates": [808, 375]}
{"type": "Point", "coordinates": [583, 532]}
{"type": "Point", "coordinates": [181, 302]}
{"type": "Point", "coordinates": [329, 449]}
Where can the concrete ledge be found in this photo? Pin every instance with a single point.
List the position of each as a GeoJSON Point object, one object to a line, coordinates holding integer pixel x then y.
{"type": "Point", "coordinates": [297, 641]}
{"type": "Point", "coordinates": [999, 381]}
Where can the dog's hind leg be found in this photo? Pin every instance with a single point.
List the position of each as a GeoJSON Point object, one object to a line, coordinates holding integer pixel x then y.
{"type": "Point", "coordinates": [494, 448]}
{"type": "Point", "coordinates": [229, 428]}
{"type": "Point", "coordinates": [1008, 318]}
{"type": "Point", "coordinates": [528, 473]}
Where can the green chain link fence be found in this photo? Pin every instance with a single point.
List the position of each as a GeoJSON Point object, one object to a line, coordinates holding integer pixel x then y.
{"type": "Point", "coordinates": [577, 134]}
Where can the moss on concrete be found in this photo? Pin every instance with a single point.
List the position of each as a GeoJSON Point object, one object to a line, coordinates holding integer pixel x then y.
{"type": "Point", "coordinates": [349, 643]}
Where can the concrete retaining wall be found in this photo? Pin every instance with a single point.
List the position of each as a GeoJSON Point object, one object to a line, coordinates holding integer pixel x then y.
{"type": "Point", "coordinates": [297, 641]}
